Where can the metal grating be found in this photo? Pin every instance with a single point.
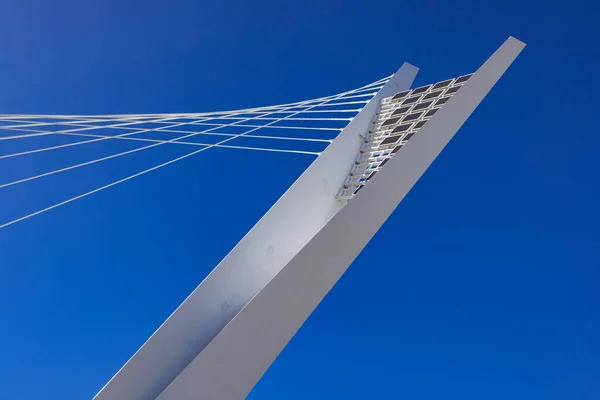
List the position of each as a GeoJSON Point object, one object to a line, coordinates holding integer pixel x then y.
{"type": "Point", "coordinates": [397, 119]}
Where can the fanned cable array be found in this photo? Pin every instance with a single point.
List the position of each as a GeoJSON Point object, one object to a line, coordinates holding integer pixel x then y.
{"type": "Point", "coordinates": [304, 127]}
{"type": "Point", "coordinates": [398, 118]}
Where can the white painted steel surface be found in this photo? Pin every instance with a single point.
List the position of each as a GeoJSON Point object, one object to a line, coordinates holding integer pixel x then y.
{"type": "Point", "coordinates": [235, 359]}
{"type": "Point", "coordinates": [282, 232]}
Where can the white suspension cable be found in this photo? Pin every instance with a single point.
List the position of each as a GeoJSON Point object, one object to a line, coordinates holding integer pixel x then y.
{"type": "Point", "coordinates": [121, 180]}
{"type": "Point", "coordinates": [120, 117]}
{"type": "Point", "coordinates": [309, 128]}
{"type": "Point", "coordinates": [97, 139]}
{"type": "Point", "coordinates": [162, 129]}
{"type": "Point", "coordinates": [299, 139]}
{"type": "Point", "coordinates": [76, 130]}
{"type": "Point", "coordinates": [159, 143]}
{"type": "Point", "coordinates": [83, 164]}
{"type": "Point", "coordinates": [323, 102]}
{"type": "Point", "coordinates": [26, 124]}
{"type": "Point", "coordinates": [57, 171]}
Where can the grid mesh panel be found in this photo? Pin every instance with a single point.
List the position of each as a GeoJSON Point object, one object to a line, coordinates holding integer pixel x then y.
{"type": "Point", "coordinates": [398, 118]}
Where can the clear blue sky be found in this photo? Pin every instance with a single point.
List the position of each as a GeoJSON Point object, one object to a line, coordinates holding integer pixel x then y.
{"type": "Point", "coordinates": [484, 284]}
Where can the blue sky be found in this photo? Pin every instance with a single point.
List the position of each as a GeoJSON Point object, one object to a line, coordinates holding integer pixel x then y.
{"type": "Point", "coordinates": [483, 284]}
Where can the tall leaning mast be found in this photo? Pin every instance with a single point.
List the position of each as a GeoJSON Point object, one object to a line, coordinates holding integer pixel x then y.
{"type": "Point", "coordinates": [221, 340]}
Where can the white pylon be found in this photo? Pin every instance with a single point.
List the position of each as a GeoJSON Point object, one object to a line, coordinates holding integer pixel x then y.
{"type": "Point", "coordinates": [225, 335]}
